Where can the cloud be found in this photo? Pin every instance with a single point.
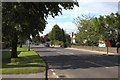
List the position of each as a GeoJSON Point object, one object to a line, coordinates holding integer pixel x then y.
{"type": "Point", "coordinates": [68, 27]}
{"type": "Point", "coordinates": [94, 7]}
{"type": "Point", "coordinates": [98, 0]}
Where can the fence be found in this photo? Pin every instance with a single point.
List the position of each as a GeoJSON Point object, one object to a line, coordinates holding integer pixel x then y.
{"type": "Point", "coordinates": [94, 48]}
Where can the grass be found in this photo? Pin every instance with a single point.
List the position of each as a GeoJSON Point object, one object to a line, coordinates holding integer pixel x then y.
{"type": "Point", "coordinates": [28, 62]}
{"type": "Point", "coordinates": [23, 47]}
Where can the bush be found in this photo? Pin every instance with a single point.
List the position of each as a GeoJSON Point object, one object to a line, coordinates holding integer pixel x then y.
{"type": "Point", "coordinates": [118, 44]}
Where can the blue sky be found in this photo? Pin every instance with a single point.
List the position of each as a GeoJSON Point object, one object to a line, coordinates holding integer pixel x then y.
{"type": "Point", "coordinates": [92, 7]}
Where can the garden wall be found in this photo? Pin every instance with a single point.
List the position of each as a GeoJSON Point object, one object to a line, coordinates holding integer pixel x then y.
{"type": "Point", "coordinates": [94, 48]}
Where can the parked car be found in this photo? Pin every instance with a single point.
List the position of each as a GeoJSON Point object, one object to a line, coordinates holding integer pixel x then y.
{"type": "Point", "coordinates": [36, 44]}
{"type": "Point", "coordinates": [47, 44]}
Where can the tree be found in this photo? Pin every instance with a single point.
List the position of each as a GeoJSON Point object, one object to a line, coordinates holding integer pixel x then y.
{"type": "Point", "coordinates": [36, 38]}
{"type": "Point", "coordinates": [68, 39]}
{"type": "Point", "coordinates": [86, 29]}
{"type": "Point", "coordinates": [63, 36]}
{"type": "Point", "coordinates": [55, 34]}
{"type": "Point", "coordinates": [93, 29]}
{"type": "Point", "coordinates": [28, 19]}
{"type": "Point", "coordinates": [59, 35]}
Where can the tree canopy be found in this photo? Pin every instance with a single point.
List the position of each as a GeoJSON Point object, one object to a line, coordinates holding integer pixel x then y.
{"type": "Point", "coordinates": [22, 19]}
{"type": "Point", "coordinates": [58, 34]}
{"type": "Point", "coordinates": [92, 29]}
{"type": "Point", "coordinates": [55, 33]}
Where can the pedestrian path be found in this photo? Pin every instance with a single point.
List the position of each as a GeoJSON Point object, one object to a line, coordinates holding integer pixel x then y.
{"type": "Point", "coordinates": [5, 49]}
{"type": "Point", "coordinates": [33, 75]}
{"type": "Point", "coordinates": [100, 52]}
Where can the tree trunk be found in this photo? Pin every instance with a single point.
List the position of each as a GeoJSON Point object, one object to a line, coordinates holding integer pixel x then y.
{"type": "Point", "coordinates": [20, 44]}
{"type": "Point", "coordinates": [14, 45]}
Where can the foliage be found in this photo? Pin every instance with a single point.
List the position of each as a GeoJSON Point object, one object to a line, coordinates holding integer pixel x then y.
{"type": "Point", "coordinates": [93, 29]}
{"type": "Point", "coordinates": [58, 35]}
{"type": "Point", "coordinates": [20, 20]}
{"type": "Point", "coordinates": [68, 39]}
{"type": "Point", "coordinates": [55, 34]}
{"type": "Point", "coordinates": [36, 38]}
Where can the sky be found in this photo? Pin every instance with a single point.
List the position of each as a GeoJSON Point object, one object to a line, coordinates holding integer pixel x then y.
{"type": "Point", "coordinates": [91, 7]}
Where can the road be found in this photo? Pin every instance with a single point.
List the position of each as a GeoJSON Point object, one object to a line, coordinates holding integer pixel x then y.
{"type": "Point", "coordinates": [69, 63]}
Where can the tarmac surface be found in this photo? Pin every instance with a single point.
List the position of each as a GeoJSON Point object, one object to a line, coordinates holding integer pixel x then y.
{"type": "Point", "coordinates": [75, 63]}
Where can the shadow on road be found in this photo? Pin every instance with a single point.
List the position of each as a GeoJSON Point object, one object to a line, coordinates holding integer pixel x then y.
{"type": "Point", "coordinates": [59, 61]}
{"type": "Point", "coordinates": [81, 61]}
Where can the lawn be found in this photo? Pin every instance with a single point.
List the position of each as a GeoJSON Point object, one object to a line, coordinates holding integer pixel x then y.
{"type": "Point", "coordinates": [28, 62]}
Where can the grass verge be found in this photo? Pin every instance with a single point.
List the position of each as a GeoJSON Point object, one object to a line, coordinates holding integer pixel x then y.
{"type": "Point", "coordinates": [28, 62]}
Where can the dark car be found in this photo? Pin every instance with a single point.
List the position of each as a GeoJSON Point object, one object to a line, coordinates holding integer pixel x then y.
{"type": "Point", "coordinates": [47, 44]}
{"type": "Point", "coordinates": [36, 44]}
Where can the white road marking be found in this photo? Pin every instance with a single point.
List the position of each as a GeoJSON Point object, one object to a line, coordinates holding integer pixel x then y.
{"type": "Point", "coordinates": [54, 73]}
{"type": "Point", "coordinates": [67, 53]}
{"type": "Point", "coordinates": [58, 52]}
{"type": "Point", "coordinates": [96, 64]}
{"type": "Point", "coordinates": [57, 76]}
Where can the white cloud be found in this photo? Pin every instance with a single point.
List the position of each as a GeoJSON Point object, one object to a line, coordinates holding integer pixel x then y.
{"type": "Point", "coordinates": [68, 27]}
{"type": "Point", "coordinates": [98, 0]}
{"type": "Point", "coordinates": [94, 7]}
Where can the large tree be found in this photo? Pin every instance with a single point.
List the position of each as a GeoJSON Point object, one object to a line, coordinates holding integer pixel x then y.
{"type": "Point", "coordinates": [22, 18]}
{"type": "Point", "coordinates": [93, 29]}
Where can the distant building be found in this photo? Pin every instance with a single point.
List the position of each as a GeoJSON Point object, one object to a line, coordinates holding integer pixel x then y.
{"type": "Point", "coordinates": [44, 39]}
{"type": "Point", "coordinates": [101, 43]}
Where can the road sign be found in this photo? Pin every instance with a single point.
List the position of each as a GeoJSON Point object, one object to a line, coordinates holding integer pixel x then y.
{"type": "Point", "coordinates": [108, 35]}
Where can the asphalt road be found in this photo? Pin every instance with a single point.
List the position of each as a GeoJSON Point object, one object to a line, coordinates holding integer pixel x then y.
{"type": "Point", "coordinates": [69, 63]}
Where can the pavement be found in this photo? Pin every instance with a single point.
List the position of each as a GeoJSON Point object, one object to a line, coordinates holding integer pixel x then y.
{"type": "Point", "coordinates": [77, 63]}
{"type": "Point", "coordinates": [5, 49]}
{"type": "Point", "coordinates": [99, 52]}
{"type": "Point", "coordinates": [33, 75]}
